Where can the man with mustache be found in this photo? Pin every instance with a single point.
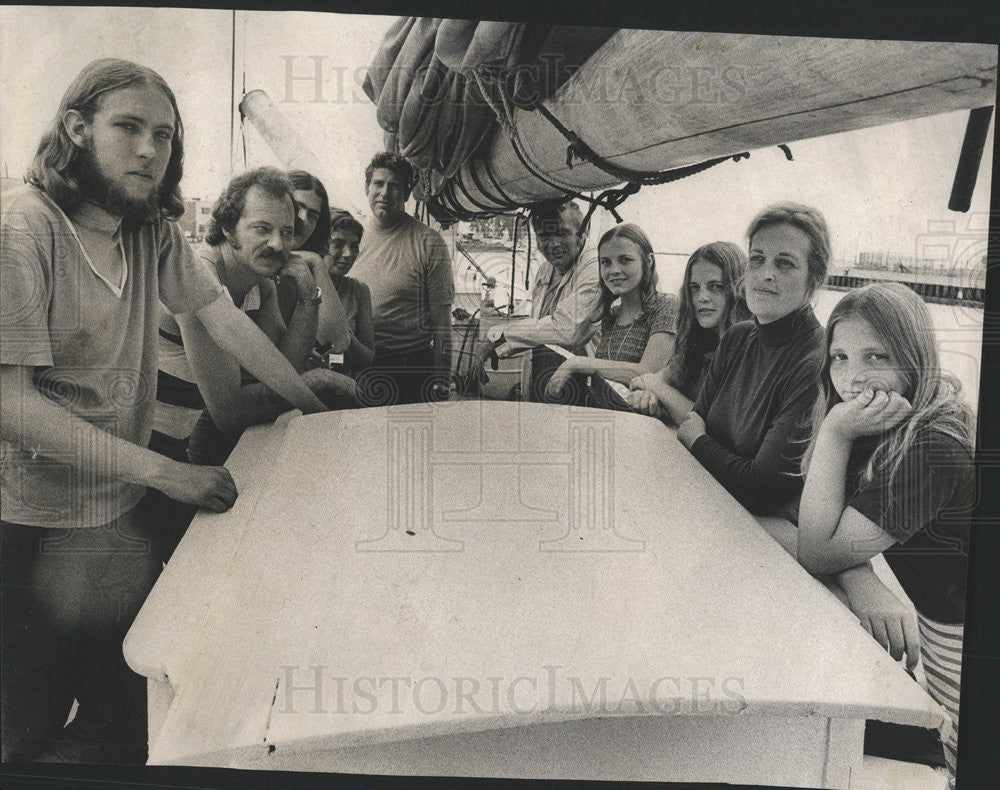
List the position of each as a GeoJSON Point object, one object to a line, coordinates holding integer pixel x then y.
{"type": "Point", "coordinates": [564, 291]}
{"type": "Point", "coordinates": [250, 236]}
{"type": "Point", "coordinates": [88, 251]}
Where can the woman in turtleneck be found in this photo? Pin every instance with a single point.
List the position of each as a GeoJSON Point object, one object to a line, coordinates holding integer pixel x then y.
{"type": "Point", "coordinates": [748, 422]}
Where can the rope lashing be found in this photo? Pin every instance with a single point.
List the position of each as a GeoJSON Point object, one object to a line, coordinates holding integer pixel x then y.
{"type": "Point", "coordinates": [580, 150]}
{"type": "Point", "coordinates": [495, 96]}
{"type": "Point", "coordinates": [610, 200]}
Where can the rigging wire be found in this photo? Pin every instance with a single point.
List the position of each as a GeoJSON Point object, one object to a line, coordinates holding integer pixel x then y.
{"type": "Point", "coordinates": [232, 94]}
{"type": "Point", "coordinates": [513, 263]}
{"type": "Point", "coordinates": [579, 149]}
{"type": "Point", "coordinates": [243, 130]}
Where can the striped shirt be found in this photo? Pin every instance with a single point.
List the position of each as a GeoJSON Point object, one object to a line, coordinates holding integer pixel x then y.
{"type": "Point", "coordinates": [926, 508]}
{"type": "Point", "coordinates": [941, 656]}
{"type": "Point", "coordinates": [178, 399]}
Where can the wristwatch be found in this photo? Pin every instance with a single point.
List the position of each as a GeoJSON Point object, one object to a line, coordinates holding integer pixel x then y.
{"type": "Point", "coordinates": [316, 298]}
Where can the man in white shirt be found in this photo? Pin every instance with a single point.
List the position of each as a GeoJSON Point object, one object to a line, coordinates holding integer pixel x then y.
{"type": "Point", "coordinates": [563, 294]}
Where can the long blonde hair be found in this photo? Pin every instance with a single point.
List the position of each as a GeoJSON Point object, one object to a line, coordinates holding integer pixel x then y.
{"type": "Point", "coordinates": [647, 284]}
{"type": "Point", "coordinates": [902, 323]}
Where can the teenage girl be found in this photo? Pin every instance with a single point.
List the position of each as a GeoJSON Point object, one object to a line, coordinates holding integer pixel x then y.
{"type": "Point", "coordinates": [710, 302]}
{"type": "Point", "coordinates": [889, 469]}
{"type": "Point", "coordinates": [637, 321]}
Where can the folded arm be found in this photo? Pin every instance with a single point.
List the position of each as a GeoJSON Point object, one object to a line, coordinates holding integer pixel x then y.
{"type": "Point", "coordinates": [234, 333]}
{"type": "Point", "coordinates": [331, 325]}
{"type": "Point", "coordinates": [752, 481]}
{"type": "Point", "coordinates": [569, 324]}
{"type": "Point", "coordinates": [832, 536]}
{"type": "Point", "coordinates": [655, 395]}
{"type": "Point", "coordinates": [296, 339]}
{"type": "Point", "coordinates": [658, 350]}
{"type": "Point", "coordinates": [770, 477]}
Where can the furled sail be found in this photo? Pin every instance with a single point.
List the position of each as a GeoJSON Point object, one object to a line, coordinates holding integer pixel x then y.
{"type": "Point", "coordinates": [496, 115]}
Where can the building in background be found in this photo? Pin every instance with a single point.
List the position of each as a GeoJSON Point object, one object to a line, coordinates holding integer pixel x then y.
{"type": "Point", "coordinates": [197, 213]}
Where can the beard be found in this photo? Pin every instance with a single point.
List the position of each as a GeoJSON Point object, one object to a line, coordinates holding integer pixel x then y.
{"type": "Point", "coordinates": [103, 191]}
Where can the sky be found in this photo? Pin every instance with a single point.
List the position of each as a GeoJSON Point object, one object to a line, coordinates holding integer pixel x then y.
{"type": "Point", "coordinates": [882, 189]}
{"type": "Point", "coordinates": [192, 50]}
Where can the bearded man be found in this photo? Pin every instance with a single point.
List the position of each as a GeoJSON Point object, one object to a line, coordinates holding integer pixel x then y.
{"type": "Point", "coordinates": [88, 250]}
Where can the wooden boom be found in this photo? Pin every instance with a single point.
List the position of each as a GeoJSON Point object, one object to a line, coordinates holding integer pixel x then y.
{"type": "Point", "coordinates": [653, 100]}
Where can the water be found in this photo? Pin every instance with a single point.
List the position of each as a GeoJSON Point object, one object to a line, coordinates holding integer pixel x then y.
{"type": "Point", "coordinates": [959, 328]}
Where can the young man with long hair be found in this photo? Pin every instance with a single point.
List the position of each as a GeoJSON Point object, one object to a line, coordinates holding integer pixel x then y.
{"type": "Point", "coordinates": [89, 250]}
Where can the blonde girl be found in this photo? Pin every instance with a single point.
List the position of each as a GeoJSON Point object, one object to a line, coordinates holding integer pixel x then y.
{"type": "Point", "coordinates": [889, 469]}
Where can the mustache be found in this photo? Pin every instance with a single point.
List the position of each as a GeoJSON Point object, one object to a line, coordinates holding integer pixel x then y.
{"type": "Point", "coordinates": [267, 252]}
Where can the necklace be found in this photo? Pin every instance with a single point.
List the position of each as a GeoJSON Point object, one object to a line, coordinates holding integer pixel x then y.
{"type": "Point", "coordinates": [624, 340]}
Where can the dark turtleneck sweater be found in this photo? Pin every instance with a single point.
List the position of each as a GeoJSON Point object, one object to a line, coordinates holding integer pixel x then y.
{"type": "Point", "coordinates": [756, 402]}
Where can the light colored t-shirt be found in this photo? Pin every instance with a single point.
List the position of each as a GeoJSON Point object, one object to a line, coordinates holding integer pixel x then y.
{"type": "Point", "coordinates": [349, 291]}
{"type": "Point", "coordinates": [94, 350]}
{"type": "Point", "coordinates": [408, 269]}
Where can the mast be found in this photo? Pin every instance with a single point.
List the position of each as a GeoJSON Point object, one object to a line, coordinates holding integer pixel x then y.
{"type": "Point", "coordinates": [237, 149]}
